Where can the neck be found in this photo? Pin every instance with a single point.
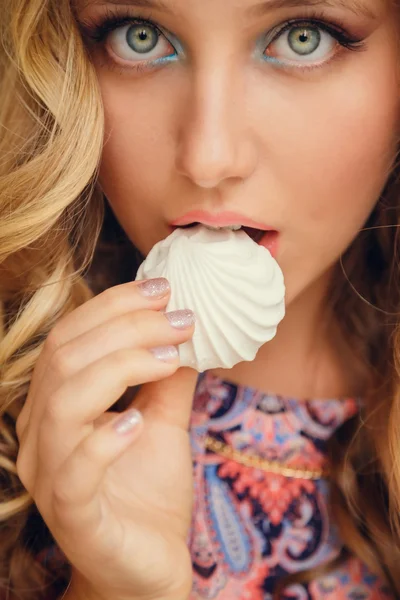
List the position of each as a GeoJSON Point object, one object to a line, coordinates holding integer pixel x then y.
{"type": "Point", "coordinates": [307, 358]}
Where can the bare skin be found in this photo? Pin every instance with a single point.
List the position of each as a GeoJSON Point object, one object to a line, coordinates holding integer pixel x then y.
{"type": "Point", "coordinates": [305, 151]}
{"type": "Point", "coordinates": [112, 510]}
{"type": "Point", "coordinates": [217, 128]}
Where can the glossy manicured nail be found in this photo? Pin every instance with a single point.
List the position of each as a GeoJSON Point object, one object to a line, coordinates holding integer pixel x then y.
{"type": "Point", "coordinates": [154, 288]}
{"type": "Point", "coordinates": [128, 422]}
{"type": "Point", "coordinates": [165, 353]}
{"type": "Point", "coordinates": [181, 319]}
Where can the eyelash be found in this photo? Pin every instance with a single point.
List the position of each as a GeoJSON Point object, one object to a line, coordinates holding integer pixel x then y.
{"type": "Point", "coordinates": [97, 32]}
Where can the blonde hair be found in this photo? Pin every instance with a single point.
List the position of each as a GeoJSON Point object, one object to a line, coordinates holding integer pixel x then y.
{"type": "Point", "coordinates": [51, 215]}
{"type": "Point", "coordinates": [51, 120]}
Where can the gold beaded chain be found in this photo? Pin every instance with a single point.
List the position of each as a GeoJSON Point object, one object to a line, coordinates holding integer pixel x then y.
{"type": "Point", "coordinates": [256, 462]}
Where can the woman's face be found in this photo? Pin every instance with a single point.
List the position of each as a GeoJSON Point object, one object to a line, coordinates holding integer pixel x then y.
{"type": "Point", "coordinates": [284, 111]}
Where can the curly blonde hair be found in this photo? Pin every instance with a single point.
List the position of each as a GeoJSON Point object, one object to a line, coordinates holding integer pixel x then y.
{"type": "Point", "coordinates": [55, 250]}
{"type": "Point", "coordinates": [51, 120]}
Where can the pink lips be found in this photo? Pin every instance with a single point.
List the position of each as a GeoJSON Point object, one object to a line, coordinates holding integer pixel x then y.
{"type": "Point", "coordinates": [224, 219]}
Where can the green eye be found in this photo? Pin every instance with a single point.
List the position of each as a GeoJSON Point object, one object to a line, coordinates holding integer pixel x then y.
{"type": "Point", "coordinates": [142, 38]}
{"type": "Point", "coordinates": [304, 41]}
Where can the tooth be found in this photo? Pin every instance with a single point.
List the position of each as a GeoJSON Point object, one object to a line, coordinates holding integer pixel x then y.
{"type": "Point", "coordinates": [231, 227]}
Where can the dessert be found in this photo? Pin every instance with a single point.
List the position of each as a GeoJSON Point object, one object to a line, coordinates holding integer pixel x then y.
{"type": "Point", "coordinates": [232, 284]}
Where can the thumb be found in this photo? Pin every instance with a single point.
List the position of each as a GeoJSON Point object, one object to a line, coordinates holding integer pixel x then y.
{"type": "Point", "coordinates": [169, 399]}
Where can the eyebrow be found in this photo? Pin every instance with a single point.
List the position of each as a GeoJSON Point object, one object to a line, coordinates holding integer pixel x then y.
{"type": "Point", "coordinates": [156, 4]}
{"type": "Point", "coordinates": [358, 7]}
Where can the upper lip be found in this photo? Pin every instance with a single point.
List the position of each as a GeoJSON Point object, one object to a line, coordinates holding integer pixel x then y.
{"type": "Point", "coordinates": [220, 219]}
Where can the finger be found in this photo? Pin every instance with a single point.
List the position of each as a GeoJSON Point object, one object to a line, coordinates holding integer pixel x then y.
{"type": "Point", "coordinates": [27, 468]}
{"type": "Point", "coordinates": [142, 328]}
{"type": "Point", "coordinates": [113, 302]}
{"type": "Point", "coordinates": [118, 300]}
{"type": "Point", "coordinates": [169, 400]}
{"type": "Point", "coordinates": [152, 328]}
{"type": "Point", "coordinates": [75, 486]}
{"type": "Point", "coordinates": [68, 416]}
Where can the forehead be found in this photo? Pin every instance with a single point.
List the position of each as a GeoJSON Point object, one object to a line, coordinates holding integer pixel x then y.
{"type": "Point", "coordinates": [366, 8]}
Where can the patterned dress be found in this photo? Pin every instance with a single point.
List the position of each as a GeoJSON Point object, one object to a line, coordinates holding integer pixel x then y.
{"type": "Point", "coordinates": [250, 527]}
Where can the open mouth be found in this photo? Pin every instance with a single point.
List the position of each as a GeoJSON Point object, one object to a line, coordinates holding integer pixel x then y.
{"type": "Point", "coordinates": [255, 234]}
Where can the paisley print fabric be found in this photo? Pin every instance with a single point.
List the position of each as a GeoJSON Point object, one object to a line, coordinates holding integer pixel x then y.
{"type": "Point", "coordinates": [251, 527]}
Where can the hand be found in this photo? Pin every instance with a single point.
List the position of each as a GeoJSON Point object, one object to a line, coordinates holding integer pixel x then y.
{"type": "Point", "coordinates": [118, 504]}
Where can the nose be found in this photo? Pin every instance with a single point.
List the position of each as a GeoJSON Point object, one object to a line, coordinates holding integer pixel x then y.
{"type": "Point", "coordinates": [213, 143]}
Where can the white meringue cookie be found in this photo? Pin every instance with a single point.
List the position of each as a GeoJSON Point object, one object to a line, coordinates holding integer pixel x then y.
{"type": "Point", "coordinates": [233, 285]}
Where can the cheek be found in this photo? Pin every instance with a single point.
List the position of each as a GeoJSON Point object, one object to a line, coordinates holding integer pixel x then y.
{"type": "Point", "coordinates": [138, 156]}
{"type": "Point", "coordinates": [339, 143]}
{"type": "Point", "coordinates": [352, 150]}
{"type": "Point", "coordinates": [139, 144]}
{"type": "Point", "coordinates": [331, 158]}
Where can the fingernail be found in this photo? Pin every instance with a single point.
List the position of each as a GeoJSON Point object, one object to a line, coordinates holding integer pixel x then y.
{"type": "Point", "coordinates": [129, 421]}
{"type": "Point", "coordinates": [154, 288]}
{"type": "Point", "coordinates": [165, 353]}
{"type": "Point", "coordinates": [181, 319]}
